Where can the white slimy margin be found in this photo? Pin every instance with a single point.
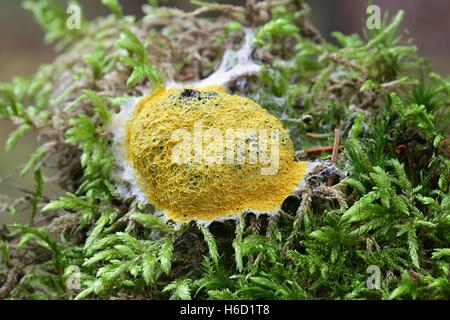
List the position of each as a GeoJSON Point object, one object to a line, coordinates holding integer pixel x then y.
{"type": "Point", "coordinates": [125, 171]}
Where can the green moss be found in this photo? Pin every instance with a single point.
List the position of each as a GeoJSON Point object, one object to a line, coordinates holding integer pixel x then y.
{"type": "Point", "coordinates": [392, 210]}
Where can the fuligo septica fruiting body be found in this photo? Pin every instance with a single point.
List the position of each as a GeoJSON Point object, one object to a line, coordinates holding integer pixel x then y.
{"type": "Point", "coordinates": [161, 144]}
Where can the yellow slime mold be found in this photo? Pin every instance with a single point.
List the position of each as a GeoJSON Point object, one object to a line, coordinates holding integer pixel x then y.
{"type": "Point", "coordinates": [201, 190]}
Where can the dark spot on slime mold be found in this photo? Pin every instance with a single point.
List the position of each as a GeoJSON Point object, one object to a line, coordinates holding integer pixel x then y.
{"type": "Point", "coordinates": [189, 93]}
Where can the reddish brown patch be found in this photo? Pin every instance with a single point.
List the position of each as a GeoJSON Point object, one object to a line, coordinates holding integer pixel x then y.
{"type": "Point", "coordinates": [400, 148]}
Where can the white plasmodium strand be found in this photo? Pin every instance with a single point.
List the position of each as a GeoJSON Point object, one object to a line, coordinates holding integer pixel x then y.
{"type": "Point", "coordinates": [234, 64]}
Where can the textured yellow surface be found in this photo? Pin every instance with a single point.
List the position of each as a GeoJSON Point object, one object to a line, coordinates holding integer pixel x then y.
{"type": "Point", "coordinates": [202, 191]}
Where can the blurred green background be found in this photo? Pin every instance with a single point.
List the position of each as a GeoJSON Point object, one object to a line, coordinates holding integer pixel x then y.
{"type": "Point", "coordinates": [22, 50]}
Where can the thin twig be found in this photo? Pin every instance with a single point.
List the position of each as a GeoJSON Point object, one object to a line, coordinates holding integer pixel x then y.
{"type": "Point", "coordinates": [213, 7]}
{"type": "Point", "coordinates": [319, 149]}
{"type": "Point", "coordinates": [337, 135]}
{"type": "Point", "coordinates": [312, 135]}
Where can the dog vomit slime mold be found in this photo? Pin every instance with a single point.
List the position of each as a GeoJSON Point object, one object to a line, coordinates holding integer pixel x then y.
{"type": "Point", "coordinates": [199, 190]}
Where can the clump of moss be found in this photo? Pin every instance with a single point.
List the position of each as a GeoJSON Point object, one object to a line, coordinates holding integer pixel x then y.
{"type": "Point", "coordinates": [391, 211]}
